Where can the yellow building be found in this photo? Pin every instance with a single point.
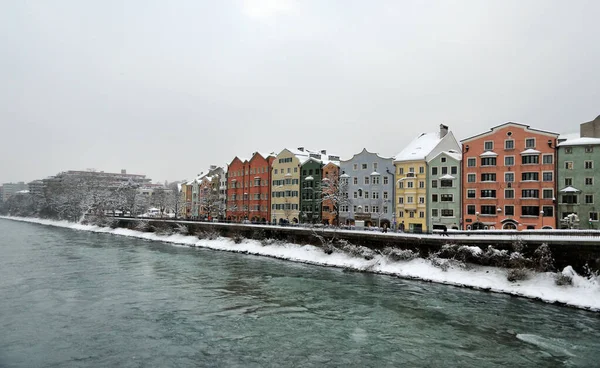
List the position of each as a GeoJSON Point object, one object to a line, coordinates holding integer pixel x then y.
{"type": "Point", "coordinates": [285, 185]}
{"type": "Point", "coordinates": [411, 174]}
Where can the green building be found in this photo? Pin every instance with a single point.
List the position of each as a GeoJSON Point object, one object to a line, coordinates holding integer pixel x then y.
{"type": "Point", "coordinates": [444, 190]}
{"type": "Point", "coordinates": [311, 173]}
{"type": "Point", "coordinates": [578, 189]}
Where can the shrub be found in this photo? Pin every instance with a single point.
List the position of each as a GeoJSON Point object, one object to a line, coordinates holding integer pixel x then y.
{"type": "Point", "coordinates": [356, 250]}
{"type": "Point", "coordinates": [561, 279]}
{"type": "Point", "coordinates": [542, 259]}
{"type": "Point", "coordinates": [396, 254]}
{"type": "Point", "coordinates": [143, 225]}
{"type": "Point", "coordinates": [494, 257]}
{"type": "Point", "coordinates": [445, 264]}
{"type": "Point", "coordinates": [517, 274]}
{"type": "Point", "coordinates": [182, 229]}
{"type": "Point", "coordinates": [517, 260]}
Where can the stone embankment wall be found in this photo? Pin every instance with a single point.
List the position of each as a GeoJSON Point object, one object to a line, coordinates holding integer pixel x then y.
{"type": "Point", "coordinates": [566, 249]}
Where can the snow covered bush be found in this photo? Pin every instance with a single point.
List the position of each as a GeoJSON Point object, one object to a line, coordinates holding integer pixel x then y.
{"type": "Point", "coordinates": [494, 257]}
{"type": "Point", "coordinates": [445, 264]}
{"type": "Point", "coordinates": [161, 228]}
{"type": "Point", "coordinates": [356, 250]}
{"type": "Point", "coordinates": [182, 229]}
{"type": "Point", "coordinates": [517, 260]}
{"type": "Point", "coordinates": [561, 279]}
{"type": "Point", "coordinates": [542, 259]}
{"type": "Point", "coordinates": [517, 274]}
{"type": "Point", "coordinates": [396, 254]}
{"type": "Point", "coordinates": [143, 226]}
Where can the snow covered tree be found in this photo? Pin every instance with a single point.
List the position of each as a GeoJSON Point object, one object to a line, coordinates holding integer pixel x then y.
{"type": "Point", "coordinates": [334, 194]}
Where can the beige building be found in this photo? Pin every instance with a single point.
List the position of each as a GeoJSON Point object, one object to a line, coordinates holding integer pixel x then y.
{"type": "Point", "coordinates": [285, 185]}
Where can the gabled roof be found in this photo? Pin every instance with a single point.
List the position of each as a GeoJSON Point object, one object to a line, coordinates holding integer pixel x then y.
{"type": "Point", "coordinates": [518, 125]}
{"type": "Point", "coordinates": [420, 147]}
{"type": "Point", "coordinates": [364, 150]}
{"type": "Point", "coordinates": [570, 189]}
{"type": "Point", "coordinates": [450, 153]}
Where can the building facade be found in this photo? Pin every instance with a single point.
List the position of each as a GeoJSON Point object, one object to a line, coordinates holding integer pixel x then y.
{"type": "Point", "coordinates": [411, 177]}
{"type": "Point", "coordinates": [311, 176]}
{"type": "Point", "coordinates": [578, 190]}
{"type": "Point", "coordinates": [443, 190]}
{"type": "Point", "coordinates": [10, 189]}
{"type": "Point", "coordinates": [285, 185]}
{"type": "Point", "coordinates": [370, 189]}
{"type": "Point", "coordinates": [249, 188]}
{"type": "Point", "coordinates": [330, 206]}
{"type": "Point", "coordinates": [509, 179]}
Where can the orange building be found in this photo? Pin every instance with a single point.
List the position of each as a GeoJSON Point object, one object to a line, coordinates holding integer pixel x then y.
{"type": "Point", "coordinates": [329, 213]}
{"type": "Point", "coordinates": [509, 179]}
{"type": "Point", "coordinates": [249, 188]}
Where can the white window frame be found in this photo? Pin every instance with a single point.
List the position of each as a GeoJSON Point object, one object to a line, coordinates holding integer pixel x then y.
{"type": "Point", "coordinates": [509, 140]}
{"type": "Point", "coordinates": [513, 158]}
{"type": "Point", "coordinates": [546, 172]}
{"type": "Point", "coordinates": [534, 142]}
{"type": "Point", "coordinates": [485, 144]}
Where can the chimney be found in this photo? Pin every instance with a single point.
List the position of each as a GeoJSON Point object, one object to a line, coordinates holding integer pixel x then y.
{"type": "Point", "coordinates": [443, 130]}
{"type": "Point", "coordinates": [123, 171]}
{"type": "Point", "coordinates": [323, 152]}
{"type": "Point", "coordinates": [212, 167]}
{"type": "Point", "coordinates": [301, 149]}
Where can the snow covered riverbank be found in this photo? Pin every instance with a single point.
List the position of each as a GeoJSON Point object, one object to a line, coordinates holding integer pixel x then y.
{"type": "Point", "coordinates": [583, 293]}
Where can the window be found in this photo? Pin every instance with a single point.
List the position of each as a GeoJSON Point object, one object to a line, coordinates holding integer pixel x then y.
{"type": "Point", "coordinates": [509, 160]}
{"type": "Point", "coordinates": [530, 210]}
{"type": "Point", "coordinates": [385, 195]}
{"type": "Point", "coordinates": [589, 164]}
{"type": "Point", "coordinates": [568, 165]}
{"type": "Point", "coordinates": [400, 185]}
{"type": "Point", "coordinates": [275, 171]}
{"type": "Point", "coordinates": [411, 214]}
{"type": "Point", "coordinates": [547, 193]}
{"type": "Point", "coordinates": [409, 199]}
{"type": "Point", "coordinates": [421, 200]}
{"type": "Point", "coordinates": [547, 159]}
{"type": "Point", "coordinates": [488, 161]}
{"type": "Point", "coordinates": [530, 193]}
{"type": "Point", "coordinates": [509, 193]}
{"type": "Point", "coordinates": [509, 144]}
{"type": "Point", "coordinates": [355, 180]}
{"type": "Point", "coordinates": [366, 195]}
{"type": "Point", "coordinates": [364, 167]}
{"type": "Point", "coordinates": [568, 182]}
{"type": "Point", "coordinates": [411, 169]}
{"type": "Point", "coordinates": [446, 183]}
{"type": "Point", "coordinates": [530, 143]}
{"type": "Point", "coordinates": [443, 159]}
{"type": "Point", "coordinates": [421, 214]}
{"type": "Point", "coordinates": [454, 170]}
{"type": "Point", "coordinates": [509, 210]}
{"type": "Point", "coordinates": [471, 209]}
{"type": "Point", "coordinates": [366, 209]}
{"type": "Point", "coordinates": [375, 195]}
{"type": "Point", "coordinates": [410, 184]}
{"type": "Point", "coordinates": [589, 149]}
{"type": "Point", "coordinates": [434, 212]}
{"type": "Point", "coordinates": [471, 193]}
{"type": "Point", "coordinates": [547, 176]}
{"type": "Point", "coordinates": [593, 216]}
{"type": "Point", "coordinates": [375, 180]}
{"type": "Point", "coordinates": [446, 197]}
{"type": "Point", "coordinates": [488, 177]}
{"type": "Point", "coordinates": [434, 197]}
{"type": "Point", "coordinates": [530, 176]}
{"type": "Point", "coordinates": [355, 195]}
{"type": "Point", "coordinates": [488, 210]}
{"type": "Point", "coordinates": [444, 170]}
{"type": "Point", "coordinates": [421, 184]}
{"type": "Point", "coordinates": [548, 211]}
{"type": "Point", "coordinates": [385, 209]}
{"type": "Point", "coordinates": [421, 169]}
{"type": "Point", "coordinates": [569, 199]}
{"type": "Point", "coordinates": [366, 180]}
{"type": "Point", "coordinates": [568, 150]}
{"type": "Point", "coordinates": [471, 162]}
{"type": "Point", "coordinates": [374, 166]}
{"type": "Point", "coordinates": [400, 213]}
{"type": "Point", "coordinates": [434, 183]}
{"type": "Point", "coordinates": [589, 199]}
{"type": "Point", "coordinates": [471, 178]}
{"type": "Point", "coordinates": [375, 209]}
{"type": "Point", "coordinates": [488, 193]}
{"type": "Point", "coordinates": [509, 177]}
{"type": "Point", "coordinates": [488, 145]}
{"type": "Point", "coordinates": [589, 181]}
{"type": "Point", "coordinates": [400, 200]}
{"type": "Point", "coordinates": [530, 159]}
{"type": "Point", "coordinates": [447, 212]}
{"type": "Point", "coordinates": [434, 171]}
{"type": "Point", "coordinates": [385, 180]}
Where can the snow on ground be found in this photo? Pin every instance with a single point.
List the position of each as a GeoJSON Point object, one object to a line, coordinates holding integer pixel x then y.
{"type": "Point", "coordinates": [584, 293]}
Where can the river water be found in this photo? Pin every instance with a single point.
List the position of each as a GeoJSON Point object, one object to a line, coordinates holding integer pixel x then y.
{"type": "Point", "coordinates": [80, 299]}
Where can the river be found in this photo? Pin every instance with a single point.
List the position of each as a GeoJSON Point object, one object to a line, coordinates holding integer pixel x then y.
{"type": "Point", "coordinates": [80, 299]}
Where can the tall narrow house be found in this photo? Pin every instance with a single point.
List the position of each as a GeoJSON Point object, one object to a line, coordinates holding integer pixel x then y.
{"type": "Point", "coordinates": [412, 177]}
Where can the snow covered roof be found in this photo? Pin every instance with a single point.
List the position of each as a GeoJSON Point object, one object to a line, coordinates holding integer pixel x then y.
{"type": "Point", "coordinates": [489, 154]}
{"type": "Point", "coordinates": [309, 178]}
{"type": "Point", "coordinates": [582, 141]}
{"type": "Point", "coordinates": [364, 150]}
{"type": "Point", "coordinates": [420, 147]}
{"type": "Point", "coordinates": [375, 173]}
{"type": "Point", "coordinates": [454, 154]}
{"type": "Point", "coordinates": [530, 151]}
{"type": "Point", "coordinates": [447, 176]}
{"type": "Point", "coordinates": [344, 175]}
{"type": "Point", "coordinates": [570, 189]}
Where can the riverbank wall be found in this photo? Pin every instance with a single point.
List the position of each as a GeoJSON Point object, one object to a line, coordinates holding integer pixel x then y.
{"type": "Point", "coordinates": [581, 250]}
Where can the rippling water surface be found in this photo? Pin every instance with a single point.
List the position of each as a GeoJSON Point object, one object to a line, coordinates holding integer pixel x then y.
{"type": "Point", "coordinates": [79, 299]}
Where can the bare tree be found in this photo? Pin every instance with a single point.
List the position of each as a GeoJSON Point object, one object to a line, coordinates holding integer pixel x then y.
{"type": "Point", "coordinates": [334, 194]}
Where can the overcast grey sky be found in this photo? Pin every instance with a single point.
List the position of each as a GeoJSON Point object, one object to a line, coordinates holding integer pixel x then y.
{"type": "Point", "coordinates": [166, 88]}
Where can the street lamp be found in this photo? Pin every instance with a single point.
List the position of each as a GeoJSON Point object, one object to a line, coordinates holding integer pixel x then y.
{"type": "Point", "coordinates": [591, 223]}
{"type": "Point", "coordinates": [542, 214]}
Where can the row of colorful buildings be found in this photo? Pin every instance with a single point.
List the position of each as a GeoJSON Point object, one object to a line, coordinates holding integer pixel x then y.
{"type": "Point", "coordinates": [510, 177]}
